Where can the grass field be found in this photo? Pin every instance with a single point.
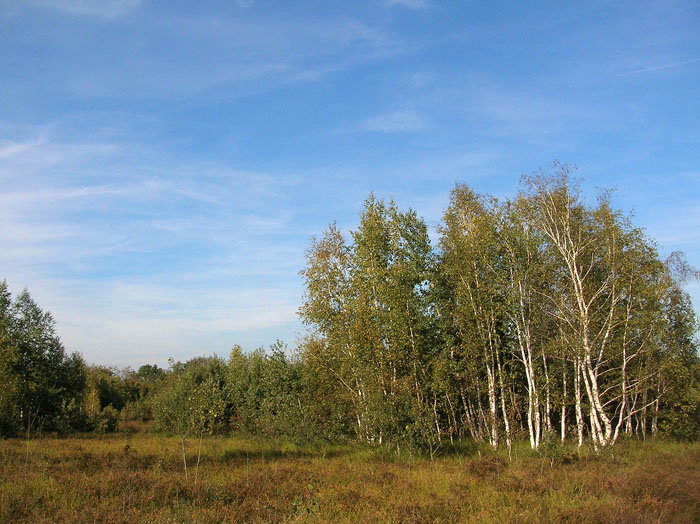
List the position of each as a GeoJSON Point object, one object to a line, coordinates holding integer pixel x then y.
{"type": "Point", "coordinates": [140, 478]}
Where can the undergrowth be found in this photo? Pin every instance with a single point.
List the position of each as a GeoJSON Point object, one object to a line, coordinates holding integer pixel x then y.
{"type": "Point", "coordinates": [139, 477]}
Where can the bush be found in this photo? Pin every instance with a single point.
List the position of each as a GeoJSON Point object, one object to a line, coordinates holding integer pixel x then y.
{"type": "Point", "coordinates": [194, 400]}
{"type": "Point", "coordinates": [137, 410]}
{"type": "Point", "coordinates": [552, 448]}
{"type": "Point", "coordinates": [105, 421]}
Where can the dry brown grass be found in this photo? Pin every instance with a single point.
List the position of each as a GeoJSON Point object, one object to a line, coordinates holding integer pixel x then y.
{"type": "Point", "coordinates": [139, 478]}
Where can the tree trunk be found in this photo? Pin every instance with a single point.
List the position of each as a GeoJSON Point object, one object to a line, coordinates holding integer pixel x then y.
{"type": "Point", "coordinates": [577, 393]}
{"type": "Point", "coordinates": [563, 404]}
{"type": "Point", "coordinates": [184, 457]}
{"type": "Point", "coordinates": [199, 455]}
{"type": "Point", "coordinates": [506, 421]}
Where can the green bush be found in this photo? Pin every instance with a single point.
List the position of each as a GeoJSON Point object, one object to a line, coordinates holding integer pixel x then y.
{"type": "Point", "coordinates": [105, 421]}
{"type": "Point", "coordinates": [552, 448]}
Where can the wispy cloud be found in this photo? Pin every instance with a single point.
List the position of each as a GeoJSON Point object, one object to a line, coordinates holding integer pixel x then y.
{"type": "Point", "coordinates": [37, 153]}
{"type": "Point", "coordinates": [103, 9]}
{"type": "Point", "coordinates": [409, 4]}
{"type": "Point", "coordinates": [677, 227]}
{"type": "Point", "coordinates": [92, 231]}
{"type": "Point", "coordinates": [133, 321]}
{"type": "Point", "coordinates": [170, 214]}
{"type": "Point", "coordinates": [232, 56]}
{"type": "Point", "coordinates": [10, 149]}
{"type": "Point", "coordinates": [661, 67]}
{"type": "Point", "coordinates": [398, 122]}
{"type": "Point", "coordinates": [523, 108]}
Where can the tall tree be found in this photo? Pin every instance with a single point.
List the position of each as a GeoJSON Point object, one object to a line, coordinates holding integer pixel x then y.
{"type": "Point", "coordinates": [533, 313]}
{"type": "Point", "coordinates": [472, 262]}
{"type": "Point", "coordinates": [367, 303]}
{"type": "Point", "coordinates": [9, 393]}
{"type": "Point", "coordinates": [46, 381]}
{"type": "Point", "coordinates": [607, 298]}
{"type": "Point", "coordinates": [526, 275]}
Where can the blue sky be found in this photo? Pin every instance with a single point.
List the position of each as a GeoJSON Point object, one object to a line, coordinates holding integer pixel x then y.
{"type": "Point", "coordinates": [165, 164]}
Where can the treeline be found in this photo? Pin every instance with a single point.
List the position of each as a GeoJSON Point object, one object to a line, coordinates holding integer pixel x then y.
{"type": "Point", "coordinates": [45, 389]}
{"type": "Point", "coordinates": [538, 317]}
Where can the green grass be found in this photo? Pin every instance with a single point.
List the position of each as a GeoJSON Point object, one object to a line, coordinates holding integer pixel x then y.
{"type": "Point", "coordinates": [139, 478]}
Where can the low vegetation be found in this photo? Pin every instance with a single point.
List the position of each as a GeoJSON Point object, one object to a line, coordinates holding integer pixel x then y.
{"type": "Point", "coordinates": [133, 478]}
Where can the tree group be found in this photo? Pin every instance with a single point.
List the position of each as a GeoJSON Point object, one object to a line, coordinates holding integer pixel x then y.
{"type": "Point", "coordinates": [533, 316]}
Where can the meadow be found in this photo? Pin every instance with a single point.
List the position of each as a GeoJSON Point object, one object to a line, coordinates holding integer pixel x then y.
{"type": "Point", "coordinates": [139, 477]}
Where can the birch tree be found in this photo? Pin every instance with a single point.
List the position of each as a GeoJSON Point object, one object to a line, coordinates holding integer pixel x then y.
{"type": "Point", "coordinates": [471, 255]}
{"type": "Point", "coordinates": [367, 303]}
{"type": "Point", "coordinates": [607, 300]}
{"type": "Point", "coordinates": [526, 275]}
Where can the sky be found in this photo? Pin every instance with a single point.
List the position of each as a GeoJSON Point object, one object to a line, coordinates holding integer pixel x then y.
{"type": "Point", "coordinates": [164, 165]}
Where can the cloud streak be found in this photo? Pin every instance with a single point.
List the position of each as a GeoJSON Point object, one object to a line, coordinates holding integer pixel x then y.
{"type": "Point", "coordinates": [418, 5]}
{"type": "Point", "coordinates": [163, 167]}
{"type": "Point", "coordinates": [96, 245]}
{"type": "Point", "coordinates": [226, 56]}
{"type": "Point", "coordinates": [660, 67]}
{"type": "Point", "coordinates": [398, 122]}
{"type": "Point", "coordinates": [101, 9]}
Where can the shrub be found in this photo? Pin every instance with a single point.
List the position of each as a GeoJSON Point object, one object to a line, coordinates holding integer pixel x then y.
{"type": "Point", "coordinates": [106, 420]}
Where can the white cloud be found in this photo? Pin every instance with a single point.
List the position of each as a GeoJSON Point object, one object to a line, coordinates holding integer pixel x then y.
{"type": "Point", "coordinates": [9, 149]}
{"type": "Point", "coordinates": [661, 67]}
{"type": "Point", "coordinates": [235, 56]}
{"type": "Point", "coordinates": [676, 226]}
{"type": "Point", "coordinates": [136, 320]}
{"type": "Point", "coordinates": [35, 156]}
{"type": "Point", "coordinates": [104, 9]}
{"type": "Point", "coordinates": [93, 240]}
{"type": "Point", "coordinates": [409, 4]}
{"type": "Point", "coordinates": [523, 108]}
{"type": "Point", "coordinates": [399, 122]}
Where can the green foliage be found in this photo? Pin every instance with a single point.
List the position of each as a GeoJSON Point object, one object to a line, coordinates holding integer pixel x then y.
{"type": "Point", "coordinates": [112, 389]}
{"type": "Point", "coordinates": [137, 410]}
{"type": "Point", "coordinates": [150, 373]}
{"type": "Point", "coordinates": [534, 315]}
{"type": "Point", "coordinates": [39, 379]}
{"type": "Point", "coordinates": [369, 305]}
{"type": "Point", "coordinates": [9, 363]}
{"type": "Point", "coordinates": [194, 400]}
{"type": "Point", "coordinates": [680, 406]}
{"type": "Point", "coordinates": [268, 394]}
{"type": "Point", "coordinates": [680, 418]}
{"type": "Point", "coordinates": [105, 421]}
{"type": "Point", "coordinates": [552, 448]}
